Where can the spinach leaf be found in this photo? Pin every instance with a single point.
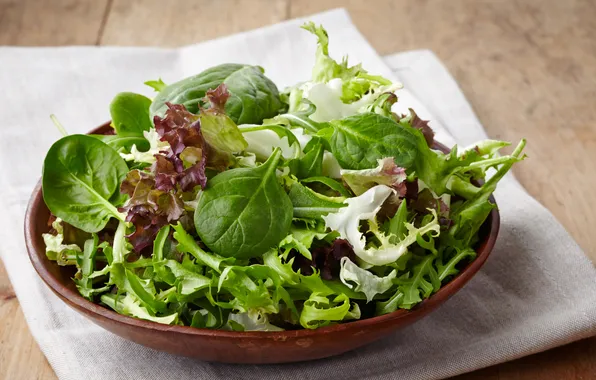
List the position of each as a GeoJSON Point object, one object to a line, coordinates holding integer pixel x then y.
{"type": "Point", "coordinates": [311, 164]}
{"type": "Point", "coordinates": [309, 204]}
{"type": "Point", "coordinates": [81, 182]}
{"type": "Point", "coordinates": [330, 183]}
{"type": "Point", "coordinates": [244, 212]}
{"type": "Point", "coordinates": [130, 114]}
{"type": "Point", "coordinates": [124, 143]}
{"type": "Point", "coordinates": [253, 97]}
{"type": "Point", "coordinates": [358, 141]}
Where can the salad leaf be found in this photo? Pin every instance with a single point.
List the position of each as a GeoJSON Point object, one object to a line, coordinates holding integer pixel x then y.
{"type": "Point", "coordinates": [157, 85]}
{"type": "Point", "coordinates": [130, 114]}
{"type": "Point", "coordinates": [128, 305]}
{"type": "Point", "coordinates": [249, 324]}
{"type": "Point", "coordinates": [86, 263]}
{"type": "Point", "coordinates": [365, 207]}
{"type": "Point", "coordinates": [386, 173]}
{"type": "Point", "coordinates": [422, 125]}
{"type": "Point", "coordinates": [253, 97]}
{"type": "Point", "coordinates": [330, 183]}
{"type": "Point", "coordinates": [391, 305]}
{"type": "Point", "coordinates": [423, 281]}
{"type": "Point", "coordinates": [438, 171]}
{"type": "Point", "coordinates": [319, 311]}
{"type": "Point", "coordinates": [252, 289]}
{"type": "Point", "coordinates": [190, 154]}
{"type": "Point", "coordinates": [307, 203]}
{"type": "Point", "coordinates": [244, 212]}
{"type": "Point", "coordinates": [473, 212]}
{"type": "Point", "coordinates": [366, 282]}
{"type": "Point", "coordinates": [81, 180]}
{"type": "Point", "coordinates": [55, 247]}
{"type": "Point", "coordinates": [187, 244]}
{"type": "Point", "coordinates": [356, 82]}
{"type": "Point", "coordinates": [448, 268]}
{"type": "Point", "coordinates": [143, 151]}
{"type": "Point", "coordinates": [359, 141]}
{"type": "Point", "coordinates": [311, 164]}
{"type": "Point", "coordinates": [123, 144]}
{"type": "Point", "coordinates": [336, 90]}
{"type": "Point", "coordinates": [219, 130]}
{"type": "Point", "coordinates": [301, 240]}
{"type": "Point", "coordinates": [148, 207]}
{"type": "Point", "coordinates": [263, 139]}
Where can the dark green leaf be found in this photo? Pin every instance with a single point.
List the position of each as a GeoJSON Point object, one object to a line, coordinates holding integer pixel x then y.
{"type": "Point", "coordinates": [358, 141]}
{"type": "Point", "coordinates": [309, 204]}
{"type": "Point", "coordinates": [397, 224]}
{"type": "Point", "coordinates": [124, 143]}
{"type": "Point", "coordinates": [253, 97]}
{"type": "Point", "coordinates": [244, 212]}
{"type": "Point", "coordinates": [81, 182]}
{"type": "Point", "coordinates": [311, 164]}
{"type": "Point", "coordinates": [130, 114]}
{"type": "Point", "coordinates": [330, 183]}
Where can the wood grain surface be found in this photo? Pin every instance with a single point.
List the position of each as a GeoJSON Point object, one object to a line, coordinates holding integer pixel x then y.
{"type": "Point", "coordinates": [527, 67]}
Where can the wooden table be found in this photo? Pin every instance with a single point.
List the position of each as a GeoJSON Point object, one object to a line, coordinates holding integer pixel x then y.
{"type": "Point", "coordinates": [527, 67]}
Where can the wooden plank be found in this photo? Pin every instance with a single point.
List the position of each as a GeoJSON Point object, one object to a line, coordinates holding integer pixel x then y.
{"type": "Point", "coordinates": [20, 357]}
{"type": "Point", "coordinates": [182, 22]}
{"type": "Point", "coordinates": [56, 22]}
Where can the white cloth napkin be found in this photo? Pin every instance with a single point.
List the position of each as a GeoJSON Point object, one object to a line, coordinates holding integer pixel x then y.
{"type": "Point", "coordinates": [536, 291]}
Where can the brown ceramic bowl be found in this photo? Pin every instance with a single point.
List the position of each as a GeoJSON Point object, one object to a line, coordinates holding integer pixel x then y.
{"type": "Point", "coordinates": [238, 347]}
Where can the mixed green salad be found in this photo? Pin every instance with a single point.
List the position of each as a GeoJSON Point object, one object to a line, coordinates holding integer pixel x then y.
{"type": "Point", "coordinates": [223, 203]}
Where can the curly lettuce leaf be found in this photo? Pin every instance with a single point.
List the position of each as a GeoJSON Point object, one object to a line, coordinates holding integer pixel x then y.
{"type": "Point", "coordinates": [294, 278]}
{"type": "Point", "coordinates": [365, 208]}
{"type": "Point", "coordinates": [319, 311]}
{"type": "Point", "coordinates": [150, 207]}
{"type": "Point", "coordinates": [187, 244]}
{"type": "Point", "coordinates": [64, 254]}
{"type": "Point", "coordinates": [422, 281]}
{"type": "Point", "coordinates": [365, 281]}
{"type": "Point", "coordinates": [156, 146]}
{"type": "Point", "coordinates": [335, 89]}
{"type": "Point", "coordinates": [128, 305]}
{"type": "Point", "coordinates": [243, 322]}
{"type": "Point", "coordinates": [386, 173]}
{"type": "Point", "coordinates": [444, 173]}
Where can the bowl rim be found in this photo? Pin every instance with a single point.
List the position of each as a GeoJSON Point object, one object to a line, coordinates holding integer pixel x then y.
{"type": "Point", "coordinates": [74, 299]}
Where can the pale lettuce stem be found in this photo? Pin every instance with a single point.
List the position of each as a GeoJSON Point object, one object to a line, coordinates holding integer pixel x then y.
{"type": "Point", "coordinates": [119, 242]}
{"type": "Point", "coordinates": [301, 122]}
